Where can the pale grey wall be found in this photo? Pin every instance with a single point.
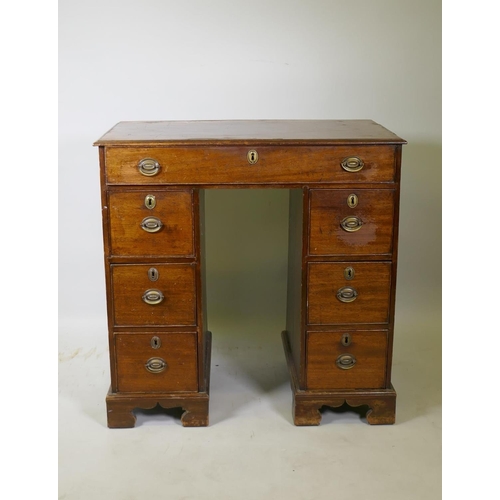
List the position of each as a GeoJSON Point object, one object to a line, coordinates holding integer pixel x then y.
{"type": "Point", "coordinates": [154, 60]}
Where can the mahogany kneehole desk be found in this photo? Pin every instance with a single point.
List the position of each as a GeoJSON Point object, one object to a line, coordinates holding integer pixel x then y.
{"type": "Point", "coordinates": [343, 178]}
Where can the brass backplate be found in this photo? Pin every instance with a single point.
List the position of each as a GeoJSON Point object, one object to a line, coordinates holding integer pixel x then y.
{"type": "Point", "coordinates": [348, 273]}
{"type": "Point", "coordinates": [352, 200]}
{"type": "Point", "coordinates": [346, 339]}
{"type": "Point", "coordinates": [252, 157]}
{"type": "Point", "coordinates": [153, 274]}
{"type": "Point", "coordinates": [156, 342]}
{"type": "Point", "coordinates": [150, 201]}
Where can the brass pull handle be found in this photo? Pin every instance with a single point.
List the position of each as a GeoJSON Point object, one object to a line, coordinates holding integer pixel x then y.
{"type": "Point", "coordinates": [151, 224]}
{"type": "Point", "coordinates": [155, 365]}
{"type": "Point", "coordinates": [345, 361]}
{"type": "Point", "coordinates": [347, 294]}
{"type": "Point", "coordinates": [153, 297]}
{"type": "Point", "coordinates": [148, 167]}
{"type": "Point", "coordinates": [352, 164]}
{"type": "Point", "coordinates": [351, 224]}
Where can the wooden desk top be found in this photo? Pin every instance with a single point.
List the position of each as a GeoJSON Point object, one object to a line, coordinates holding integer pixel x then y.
{"type": "Point", "coordinates": [320, 132]}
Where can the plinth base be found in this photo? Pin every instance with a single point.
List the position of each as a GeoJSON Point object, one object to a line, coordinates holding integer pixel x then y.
{"type": "Point", "coordinates": [120, 407]}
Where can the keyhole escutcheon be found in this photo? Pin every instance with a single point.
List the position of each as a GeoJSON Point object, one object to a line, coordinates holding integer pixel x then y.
{"type": "Point", "coordinates": [346, 339]}
{"type": "Point", "coordinates": [352, 200]}
{"type": "Point", "coordinates": [153, 274]}
{"type": "Point", "coordinates": [348, 273]}
{"type": "Point", "coordinates": [155, 342]}
{"type": "Point", "coordinates": [150, 201]}
{"type": "Point", "coordinates": [252, 157]}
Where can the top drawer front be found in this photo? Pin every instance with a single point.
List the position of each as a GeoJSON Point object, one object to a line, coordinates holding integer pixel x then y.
{"type": "Point", "coordinates": [230, 164]}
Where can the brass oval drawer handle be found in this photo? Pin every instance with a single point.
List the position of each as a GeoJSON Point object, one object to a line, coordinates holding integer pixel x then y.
{"type": "Point", "coordinates": [151, 224]}
{"type": "Point", "coordinates": [352, 164]}
{"type": "Point", "coordinates": [351, 224]}
{"type": "Point", "coordinates": [148, 167]}
{"type": "Point", "coordinates": [155, 365]}
{"type": "Point", "coordinates": [347, 294]}
{"type": "Point", "coordinates": [345, 361]}
{"type": "Point", "coordinates": [153, 297]}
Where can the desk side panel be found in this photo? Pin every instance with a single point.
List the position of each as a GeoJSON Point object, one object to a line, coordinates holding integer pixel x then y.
{"type": "Point", "coordinates": [294, 286]}
{"type": "Point", "coordinates": [203, 334]}
{"type": "Point", "coordinates": [107, 268]}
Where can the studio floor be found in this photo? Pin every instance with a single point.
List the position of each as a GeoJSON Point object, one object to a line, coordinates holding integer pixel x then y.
{"type": "Point", "coordinates": [251, 450]}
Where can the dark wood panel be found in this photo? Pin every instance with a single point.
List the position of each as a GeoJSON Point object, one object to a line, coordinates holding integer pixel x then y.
{"type": "Point", "coordinates": [175, 281]}
{"type": "Point", "coordinates": [229, 165]}
{"type": "Point", "coordinates": [374, 210]}
{"type": "Point", "coordinates": [372, 281]}
{"type": "Point", "coordinates": [201, 285]}
{"type": "Point", "coordinates": [394, 262]}
{"type": "Point", "coordinates": [177, 350]}
{"type": "Point", "coordinates": [367, 348]}
{"type": "Point", "coordinates": [288, 185]}
{"type": "Point", "coordinates": [107, 269]}
{"type": "Point", "coordinates": [230, 131]}
{"type": "Point", "coordinates": [294, 309]}
{"type": "Point", "coordinates": [173, 208]}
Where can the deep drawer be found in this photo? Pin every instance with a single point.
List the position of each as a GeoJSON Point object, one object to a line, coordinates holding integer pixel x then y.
{"type": "Point", "coordinates": [156, 362]}
{"type": "Point", "coordinates": [331, 364]}
{"type": "Point", "coordinates": [351, 221]}
{"type": "Point", "coordinates": [151, 223]}
{"type": "Point", "coordinates": [348, 292]}
{"type": "Point", "coordinates": [230, 164]}
{"type": "Point", "coordinates": [169, 300]}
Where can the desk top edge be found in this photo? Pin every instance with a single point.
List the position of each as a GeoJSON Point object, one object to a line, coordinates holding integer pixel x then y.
{"type": "Point", "coordinates": [227, 132]}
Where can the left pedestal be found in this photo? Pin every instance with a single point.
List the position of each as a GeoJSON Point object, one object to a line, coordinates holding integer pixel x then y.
{"type": "Point", "coordinates": [158, 343]}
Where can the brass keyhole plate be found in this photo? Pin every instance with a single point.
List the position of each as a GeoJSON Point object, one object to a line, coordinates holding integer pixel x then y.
{"type": "Point", "coordinates": [153, 274]}
{"type": "Point", "coordinates": [352, 200]}
{"type": "Point", "coordinates": [150, 201]}
{"type": "Point", "coordinates": [348, 273]}
{"type": "Point", "coordinates": [346, 339]}
{"type": "Point", "coordinates": [252, 157]}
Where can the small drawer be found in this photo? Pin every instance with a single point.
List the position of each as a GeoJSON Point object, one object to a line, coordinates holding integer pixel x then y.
{"type": "Point", "coordinates": [154, 294]}
{"type": "Point", "coordinates": [351, 221]}
{"type": "Point", "coordinates": [196, 165]}
{"type": "Point", "coordinates": [151, 223]}
{"type": "Point", "coordinates": [156, 362]}
{"type": "Point", "coordinates": [350, 359]}
{"type": "Point", "coordinates": [348, 292]}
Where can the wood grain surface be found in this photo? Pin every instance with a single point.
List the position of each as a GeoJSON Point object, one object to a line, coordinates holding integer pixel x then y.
{"type": "Point", "coordinates": [369, 348]}
{"type": "Point", "coordinates": [245, 131]}
{"type": "Point", "coordinates": [375, 210]}
{"type": "Point", "coordinates": [174, 209]}
{"type": "Point", "coordinates": [372, 281]}
{"type": "Point", "coordinates": [176, 282]}
{"type": "Point", "coordinates": [178, 350]}
{"type": "Point", "coordinates": [229, 165]}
